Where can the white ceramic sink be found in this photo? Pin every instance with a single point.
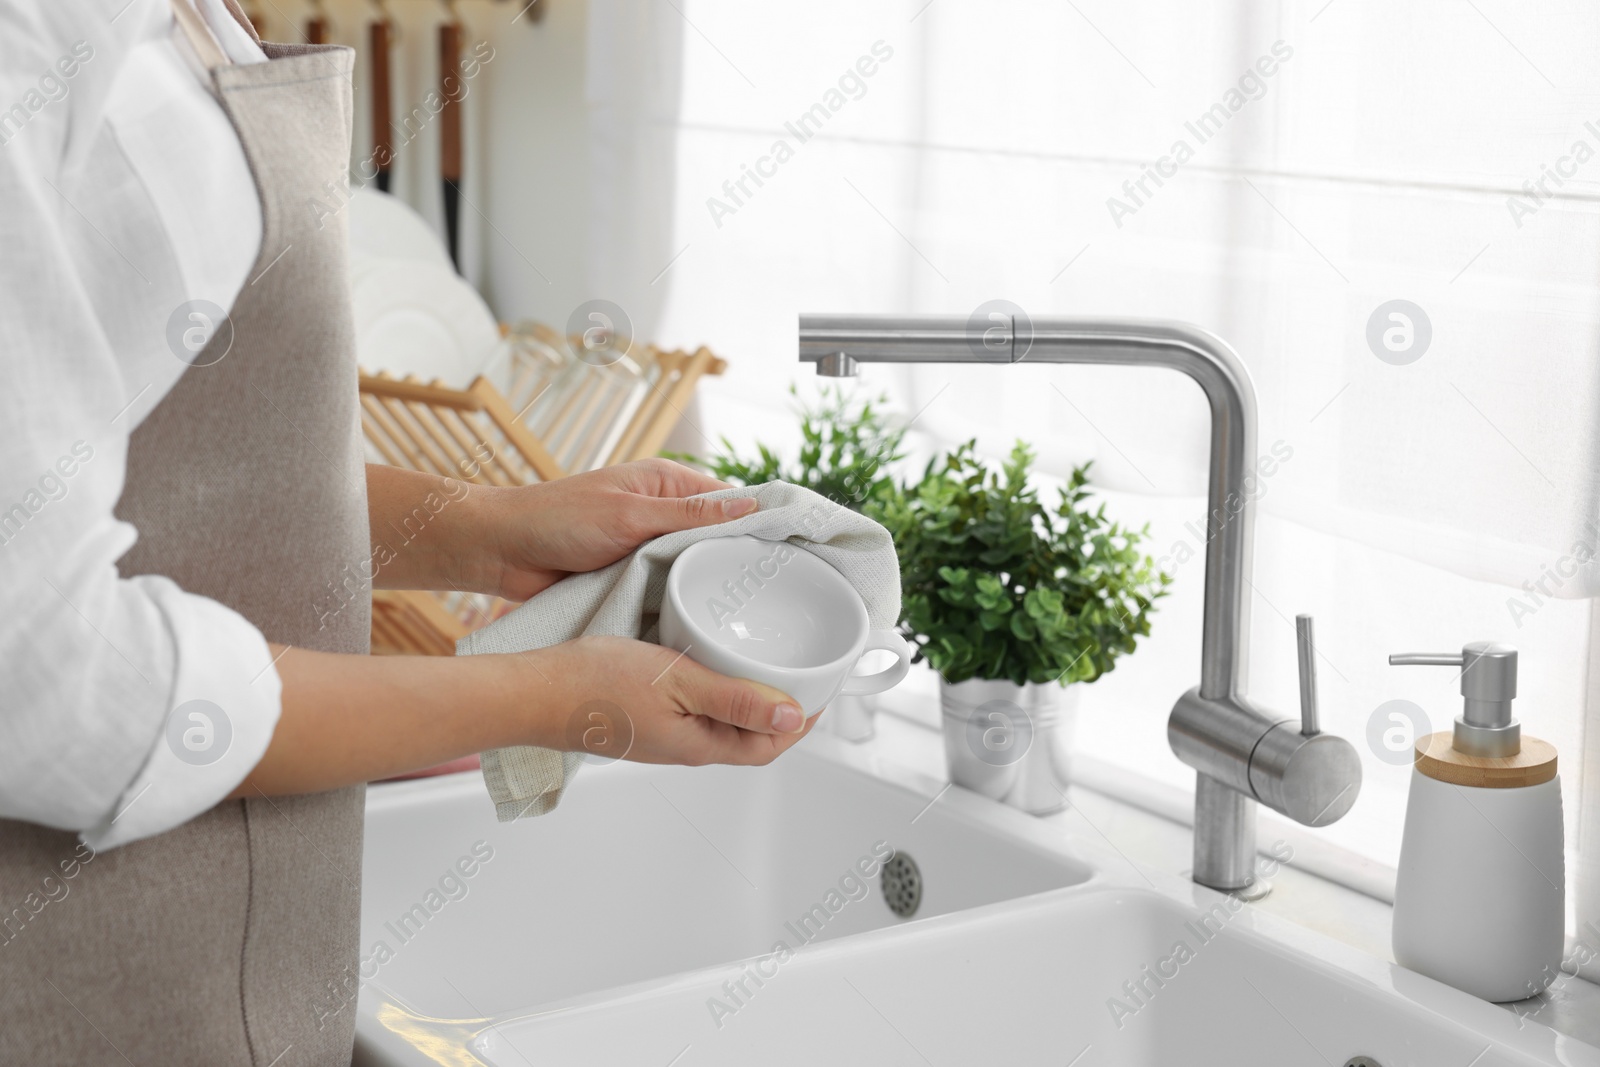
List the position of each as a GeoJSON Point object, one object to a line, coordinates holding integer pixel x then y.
{"type": "Point", "coordinates": [647, 872]}
{"type": "Point", "coordinates": [637, 924]}
{"type": "Point", "coordinates": [1030, 983]}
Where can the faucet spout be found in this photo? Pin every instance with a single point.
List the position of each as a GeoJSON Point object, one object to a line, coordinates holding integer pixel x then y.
{"type": "Point", "coordinates": [1213, 728]}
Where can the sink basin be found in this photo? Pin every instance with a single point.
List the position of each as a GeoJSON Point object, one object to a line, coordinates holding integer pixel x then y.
{"type": "Point", "coordinates": [1033, 983]}
{"type": "Point", "coordinates": [640, 922]}
{"type": "Point", "coordinates": [647, 872]}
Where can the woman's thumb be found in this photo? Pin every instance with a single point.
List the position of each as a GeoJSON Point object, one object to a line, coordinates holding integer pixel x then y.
{"type": "Point", "coordinates": [741, 702]}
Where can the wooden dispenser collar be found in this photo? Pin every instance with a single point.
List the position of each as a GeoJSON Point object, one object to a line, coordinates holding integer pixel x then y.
{"type": "Point", "coordinates": [1438, 759]}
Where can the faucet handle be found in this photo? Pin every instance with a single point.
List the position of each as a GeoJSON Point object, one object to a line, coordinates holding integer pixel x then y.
{"type": "Point", "coordinates": [1426, 659]}
{"type": "Point", "coordinates": [1294, 768]}
{"type": "Point", "coordinates": [1308, 775]}
{"type": "Point", "coordinates": [1308, 676]}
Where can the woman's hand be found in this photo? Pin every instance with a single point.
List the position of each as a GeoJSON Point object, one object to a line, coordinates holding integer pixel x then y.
{"type": "Point", "coordinates": [438, 533]}
{"type": "Point", "coordinates": [541, 533]}
{"type": "Point", "coordinates": [350, 719]}
{"type": "Point", "coordinates": [630, 700]}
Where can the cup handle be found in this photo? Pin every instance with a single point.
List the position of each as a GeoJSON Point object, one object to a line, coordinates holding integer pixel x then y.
{"type": "Point", "coordinates": [889, 677]}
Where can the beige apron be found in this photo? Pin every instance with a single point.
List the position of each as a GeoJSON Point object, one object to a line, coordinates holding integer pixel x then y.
{"type": "Point", "coordinates": [231, 939]}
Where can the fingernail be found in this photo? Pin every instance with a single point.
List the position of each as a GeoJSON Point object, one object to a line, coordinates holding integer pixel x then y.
{"type": "Point", "coordinates": [787, 719]}
{"type": "Point", "coordinates": [739, 505]}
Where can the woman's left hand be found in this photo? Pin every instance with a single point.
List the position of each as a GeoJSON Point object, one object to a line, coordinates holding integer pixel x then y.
{"type": "Point", "coordinates": [539, 534]}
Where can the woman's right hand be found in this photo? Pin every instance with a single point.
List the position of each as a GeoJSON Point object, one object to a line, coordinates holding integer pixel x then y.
{"type": "Point", "coordinates": [625, 699]}
{"type": "Point", "coordinates": [348, 719]}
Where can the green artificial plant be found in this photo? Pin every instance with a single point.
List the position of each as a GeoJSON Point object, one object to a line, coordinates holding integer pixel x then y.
{"type": "Point", "coordinates": [996, 585]}
{"type": "Point", "coordinates": [847, 445]}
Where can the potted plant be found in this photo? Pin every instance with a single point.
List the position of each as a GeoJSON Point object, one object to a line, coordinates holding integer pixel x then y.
{"type": "Point", "coordinates": [846, 446]}
{"type": "Point", "coordinates": [1016, 605]}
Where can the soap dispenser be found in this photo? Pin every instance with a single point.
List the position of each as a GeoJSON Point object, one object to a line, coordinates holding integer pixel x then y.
{"type": "Point", "coordinates": [1479, 901]}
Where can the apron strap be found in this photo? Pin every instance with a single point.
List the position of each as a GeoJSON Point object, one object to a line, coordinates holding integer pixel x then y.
{"type": "Point", "coordinates": [242, 19]}
{"type": "Point", "coordinates": [200, 37]}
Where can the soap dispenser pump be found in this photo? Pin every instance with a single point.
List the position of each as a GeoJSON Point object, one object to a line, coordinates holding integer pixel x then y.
{"type": "Point", "coordinates": [1479, 900]}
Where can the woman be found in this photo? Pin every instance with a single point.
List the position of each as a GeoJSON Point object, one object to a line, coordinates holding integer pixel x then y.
{"type": "Point", "coordinates": [188, 715]}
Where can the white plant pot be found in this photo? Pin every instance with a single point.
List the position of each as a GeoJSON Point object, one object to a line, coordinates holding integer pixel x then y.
{"type": "Point", "coordinates": [1011, 743]}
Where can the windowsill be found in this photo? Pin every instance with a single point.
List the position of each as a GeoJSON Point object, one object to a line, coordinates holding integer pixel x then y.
{"type": "Point", "coordinates": [1149, 827]}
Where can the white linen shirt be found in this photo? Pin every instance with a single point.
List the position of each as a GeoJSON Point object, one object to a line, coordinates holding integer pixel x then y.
{"type": "Point", "coordinates": [124, 193]}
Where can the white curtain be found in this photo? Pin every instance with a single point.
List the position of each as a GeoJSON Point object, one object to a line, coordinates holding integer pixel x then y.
{"type": "Point", "coordinates": [1337, 157]}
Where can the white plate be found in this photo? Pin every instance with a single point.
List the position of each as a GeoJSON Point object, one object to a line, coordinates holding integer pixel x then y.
{"type": "Point", "coordinates": [421, 318]}
{"type": "Point", "coordinates": [386, 227]}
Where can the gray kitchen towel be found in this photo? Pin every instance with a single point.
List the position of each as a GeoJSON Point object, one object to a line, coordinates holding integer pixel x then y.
{"type": "Point", "coordinates": [623, 600]}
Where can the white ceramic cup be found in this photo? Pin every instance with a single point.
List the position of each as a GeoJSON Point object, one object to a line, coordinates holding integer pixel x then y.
{"type": "Point", "coordinates": [774, 613]}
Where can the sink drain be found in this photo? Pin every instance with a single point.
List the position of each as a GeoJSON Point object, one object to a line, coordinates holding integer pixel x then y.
{"type": "Point", "coordinates": [1362, 1061]}
{"type": "Point", "coordinates": [902, 885]}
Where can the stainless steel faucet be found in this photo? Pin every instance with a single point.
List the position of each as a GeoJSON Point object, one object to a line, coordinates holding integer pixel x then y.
{"type": "Point", "coordinates": [1243, 753]}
